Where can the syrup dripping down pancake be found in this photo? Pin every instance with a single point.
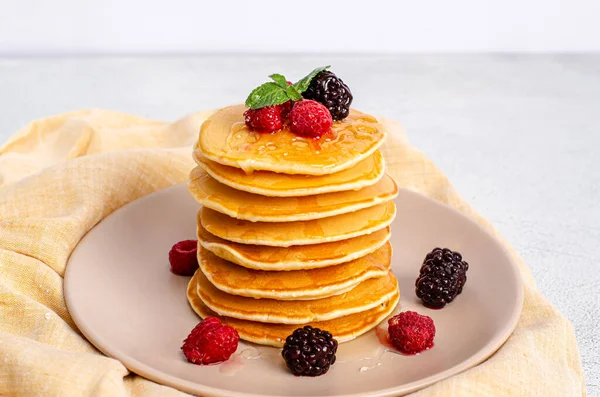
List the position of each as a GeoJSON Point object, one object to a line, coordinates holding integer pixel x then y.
{"type": "Point", "coordinates": [343, 329]}
{"type": "Point", "coordinates": [302, 257]}
{"type": "Point", "coordinates": [296, 284]}
{"type": "Point", "coordinates": [365, 296]}
{"type": "Point", "coordinates": [285, 234]}
{"type": "Point", "coordinates": [365, 173]}
{"type": "Point", "coordinates": [255, 208]}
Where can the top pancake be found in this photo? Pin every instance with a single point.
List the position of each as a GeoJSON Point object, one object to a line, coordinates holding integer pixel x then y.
{"type": "Point", "coordinates": [367, 172]}
{"type": "Point", "coordinates": [225, 139]}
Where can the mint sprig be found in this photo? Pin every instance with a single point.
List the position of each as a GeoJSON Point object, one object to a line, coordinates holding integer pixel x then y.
{"type": "Point", "coordinates": [302, 84]}
{"type": "Point", "coordinates": [266, 95]}
{"type": "Point", "coordinates": [279, 79]}
{"type": "Point", "coordinates": [293, 93]}
{"type": "Point", "coordinates": [278, 91]}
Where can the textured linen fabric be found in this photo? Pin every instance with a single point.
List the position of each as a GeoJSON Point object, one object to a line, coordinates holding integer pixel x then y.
{"type": "Point", "coordinates": [61, 175]}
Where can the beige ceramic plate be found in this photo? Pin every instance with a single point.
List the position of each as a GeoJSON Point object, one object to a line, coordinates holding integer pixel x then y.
{"type": "Point", "coordinates": [126, 302]}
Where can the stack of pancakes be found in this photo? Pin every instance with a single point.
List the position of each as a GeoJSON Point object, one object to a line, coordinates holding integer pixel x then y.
{"type": "Point", "coordinates": [293, 230]}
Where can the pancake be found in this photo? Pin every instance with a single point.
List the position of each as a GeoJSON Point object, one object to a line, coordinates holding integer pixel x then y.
{"type": "Point", "coordinates": [225, 139]}
{"type": "Point", "coordinates": [285, 234]}
{"type": "Point", "coordinates": [364, 296]}
{"type": "Point", "coordinates": [300, 257]}
{"type": "Point", "coordinates": [253, 207]}
{"type": "Point", "coordinates": [297, 284]}
{"type": "Point", "coordinates": [365, 173]}
{"type": "Point", "coordinates": [343, 329]}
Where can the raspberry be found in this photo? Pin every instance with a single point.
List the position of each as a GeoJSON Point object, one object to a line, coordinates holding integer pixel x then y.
{"type": "Point", "coordinates": [267, 119]}
{"type": "Point", "coordinates": [309, 351]}
{"type": "Point", "coordinates": [310, 119]}
{"type": "Point", "coordinates": [441, 278]}
{"type": "Point", "coordinates": [183, 259]}
{"type": "Point", "coordinates": [286, 108]}
{"type": "Point", "coordinates": [331, 91]}
{"type": "Point", "coordinates": [411, 332]}
{"type": "Point", "coordinates": [210, 342]}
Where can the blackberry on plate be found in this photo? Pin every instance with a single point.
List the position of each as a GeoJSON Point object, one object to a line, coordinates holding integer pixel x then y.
{"type": "Point", "coordinates": [331, 91]}
{"type": "Point", "coordinates": [441, 278]}
{"type": "Point", "coordinates": [309, 351]}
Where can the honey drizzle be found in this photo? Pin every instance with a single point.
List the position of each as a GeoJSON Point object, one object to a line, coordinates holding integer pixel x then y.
{"type": "Point", "coordinates": [348, 137]}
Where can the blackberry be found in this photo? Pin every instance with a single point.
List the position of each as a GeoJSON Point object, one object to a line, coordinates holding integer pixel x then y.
{"type": "Point", "coordinates": [309, 351]}
{"type": "Point", "coordinates": [331, 91]}
{"type": "Point", "coordinates": [441, 278]}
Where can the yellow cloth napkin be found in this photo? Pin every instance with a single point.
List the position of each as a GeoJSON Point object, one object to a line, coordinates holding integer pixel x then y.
{"type": "Point", "coordinates": [61, 175]}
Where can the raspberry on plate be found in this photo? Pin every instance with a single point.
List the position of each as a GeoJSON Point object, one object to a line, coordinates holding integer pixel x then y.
{"type": "Point", "coordinates": [267, 119]}
{"type": "Point", "coordinates": [441, 278]}
{"type": "Point", "coordinates": [183, 258]}
{"type": "Point", "coordinates": [210, 342]}
{"type": "Point", "coordinates": [411, 332]}
{"type": "Point", "coordinates": [309, 351]}
{"type": "Point", "coordinates": [310, 119]}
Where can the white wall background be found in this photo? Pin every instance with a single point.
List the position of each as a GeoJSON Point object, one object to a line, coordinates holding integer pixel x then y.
{"type": "Point", "coordinates": [45, 27]}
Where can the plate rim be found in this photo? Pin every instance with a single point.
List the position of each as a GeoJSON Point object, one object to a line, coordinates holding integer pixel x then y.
{"type": "Point", "coordinates": [139, 368]}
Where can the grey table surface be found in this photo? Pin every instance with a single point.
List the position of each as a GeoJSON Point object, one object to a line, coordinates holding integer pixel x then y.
{"type": "Point", "coordinates": [518, 135]}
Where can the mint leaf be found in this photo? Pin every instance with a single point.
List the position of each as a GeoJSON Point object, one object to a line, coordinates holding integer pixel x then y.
{"type": "Point", "coordinates": [292, 93]}
{"type": "Point", "coordinates": [279, 79]}
{"type": "Point", "coordinates": [278, 91]}
{"type": "Point", "coordinates": [302, 84]}
{"type": "Point", "coordinates": [266, 95]}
